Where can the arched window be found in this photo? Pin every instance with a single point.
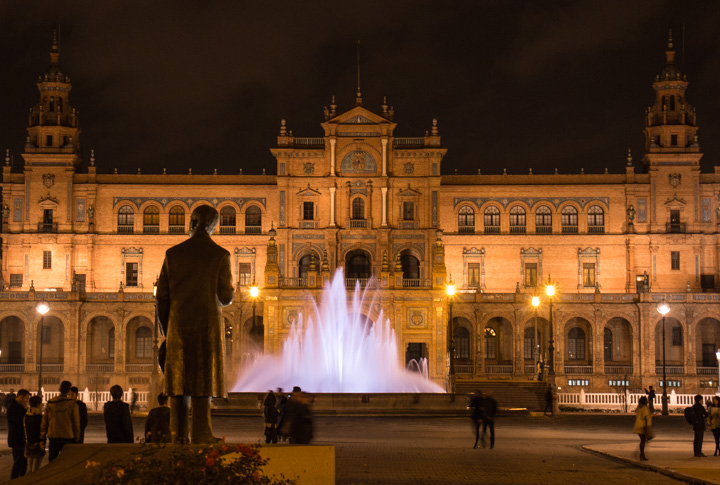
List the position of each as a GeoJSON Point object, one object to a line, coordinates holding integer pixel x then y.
{"type": "Point", "coordinates": [358, 265]}
{"type": "Point", "coordinates": [143, 343]}
{"type": "Point", "coordinates": [596, 219]}
{"type": "Point", "coordinates": [490, 343]}
{"type": "Point", "coordinates": [126, 220]}
{"type": "Point", "coordinates": [569, 219]}
{"type": "Point", "coordinates": [466, 220]}
{"type": "Point", "coordinates": [253, 220]}
{"type": "Point", "coordinates": [492, 219]}
{"type": "Point", "coordinates": [517, 219]}
{"type": "Point", "coordinates": [608, 345]}
{"type": "Point", "coordinates": [410, 268]}
{"type": "Point", "coordinates": [543, 220]}
{"type": "Point", "coordinates": [529, 341]}
{"type": "Point", "coordinates": [358, 208]}
{"type": "Point", "coordinates": [305, 264]}
{"type": "Point", "coordinates": [227, 220]}
{"type": "Point", "coordinates": [462, 343]}
{"type": "Point", "coordinates": [151, 220]}
{"type": "Point", "coordinates": [576, 344]}
{"type": "Point", "coordinates": [176, 220]}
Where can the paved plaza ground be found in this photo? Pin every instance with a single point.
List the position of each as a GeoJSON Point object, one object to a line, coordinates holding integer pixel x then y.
{"type": "Point", "coordinates": [569, 449]}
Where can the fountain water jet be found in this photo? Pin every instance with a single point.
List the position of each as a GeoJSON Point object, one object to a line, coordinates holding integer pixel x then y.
{"type": "Point", "coordinates": [337, 351]}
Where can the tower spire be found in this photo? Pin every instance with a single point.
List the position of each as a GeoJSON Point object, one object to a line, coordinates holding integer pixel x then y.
{"type": "Point", "coordinates": [358, 98]}
{"type": "Point", "coordinates": [54, 51]}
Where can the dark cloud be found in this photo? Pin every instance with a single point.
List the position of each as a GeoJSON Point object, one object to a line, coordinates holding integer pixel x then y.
{"type": "Point", "coordinates": [513, 84]}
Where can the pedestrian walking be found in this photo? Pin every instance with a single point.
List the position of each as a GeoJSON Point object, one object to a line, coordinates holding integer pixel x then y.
{"type": "Point", "coordinates": [118, 423]}
{"type": "Point", "coordinates": [476, 407]}
{"type": "Point", "coordinates": [715, 423]}
{"type": "Point", "coordinates": [270, 415]}
{"type": "Point", "coordinates": [297, 420]}
{"type": "Point", "coordinates": [133, 400]}
{"type": "Point", "coordinates": [34, 444]}
{"type": "Point", "coordinates": [549, 401]}
{"type": "Point", "coordinates": [699, 415]}
{"type": "Point", "coordinates": [60, 422]}
{"type": "Point", "coordinates": [82, 409]}
{"type": "Point", "coordinates": [16, 410]}
{"type": "Point", "coordinates": [157, 425]}
{"type": "Point", "coordinates": [643, 425]}
{"type": "Point", "coordinates": [489, 406]}
{"type": "Point", "coordinates": [651, 399]}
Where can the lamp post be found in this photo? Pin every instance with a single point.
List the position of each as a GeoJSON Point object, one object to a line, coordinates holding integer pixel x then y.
{"type": "Point", "coordinates": [42, 308]}
{"type": "Point", "coordinates": [550, 291]}
{"type": "Point", "coordinates": [717, 354]}
{"type": "Point", "coordinates": [536, 340]}
{"type": "Point", "coordinates": [451, 339]}
{"type": "Point", "coordinates": [664, 308]}
{"type": "Point", "coordinates": [155, 378]}
{"type": "Point", "coordinates": [254, 292]}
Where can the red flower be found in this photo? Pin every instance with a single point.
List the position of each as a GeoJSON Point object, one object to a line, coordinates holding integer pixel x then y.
{"type": "Point", "coordinates": [210, 461]}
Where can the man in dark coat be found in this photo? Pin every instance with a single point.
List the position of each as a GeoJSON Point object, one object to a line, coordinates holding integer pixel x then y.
{"type": "Point", "coordinates": [699, 425]}
{"type": "Point", "coordinates": [82, 409]}
{"type": "Point", "coordinates": [157, 425]}
{"type": "Point", "coordinates": [16, 432]}
{"type": "Point", "coordinates": [488, 419]}
{"type": "Point", "coordinates": [118, 423]}
{"type": "Point", "coordinates": [195, 281]}
{"type": "Point", "coordinates": [476, 407]}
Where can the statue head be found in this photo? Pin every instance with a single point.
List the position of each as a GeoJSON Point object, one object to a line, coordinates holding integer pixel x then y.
{"type": "Point", "coordinates": [204, 217]}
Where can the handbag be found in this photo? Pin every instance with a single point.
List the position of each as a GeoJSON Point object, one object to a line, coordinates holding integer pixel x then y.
{"type": "Point", "coordinates": [649, 433]}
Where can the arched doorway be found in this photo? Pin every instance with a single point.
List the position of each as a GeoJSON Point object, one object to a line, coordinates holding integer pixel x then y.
{"type": "Point", "coordinates": [674, 346]}
{"type": "Point", "coordinates": [617, 347]}
{"type": "Point", "coordinates": [535, 342]}
{"type": "Point", "coordinates": [12, 343]}
{"type": "Point", "coordinates": [498, 346]}
{"type": "Point", "coordinates": [100, 352]}
{"type": "Point", "coordinates": [306, 263]}
{"type": "Point", "coordinates": [358, 265]}
{"type": "Point", "coordinates": [52, 337]}
{"type": "Point", "coordinates": [578, 346]}
{"type": "Point", "coordinates": [707, 335]}
{"type": "Point", "coordinates": [410, 265]}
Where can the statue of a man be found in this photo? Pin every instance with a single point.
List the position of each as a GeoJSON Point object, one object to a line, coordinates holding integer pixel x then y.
{"type": "Point", "coordinates": [195, 281]}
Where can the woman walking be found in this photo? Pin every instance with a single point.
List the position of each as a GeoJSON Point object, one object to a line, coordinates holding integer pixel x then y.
{"type": "Point", "coordinates": [715, 423]}
{"type": "Point", "coordinates": [270, 413]}
{"type": "Point", "coordinates": [643, 425]}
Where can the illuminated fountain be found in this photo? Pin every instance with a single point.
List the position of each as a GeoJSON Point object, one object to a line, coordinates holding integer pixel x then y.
{"type": "Point", "coordinates": [338, 351]}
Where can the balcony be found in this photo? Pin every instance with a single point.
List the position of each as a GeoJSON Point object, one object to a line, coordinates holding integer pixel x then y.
{"type": "Point", "coordinates": [675, 227]}
{"type": "Point", "coordinates": [50, 367]}
{"type": "Point", "coordinates": [583, 370]}
{"type": "Point", "coordinates": [350, 283]}
{"type": "Point", "coordinates": [518, 230]}
{"type": "Point", "coordinates": [253, 229]}
{"type": "Point", "coordinates": [358, 224]}
{"type": "Point", "coordinates": [405, 142]}
{"type": "Point", "coordinates": [707, 371]}
{"type": "Point", "coordinates": [151, 229]}
{"type": "Point", "coordinates": [492, 229]}
{"type": "Point", "coordinates": [100, 368]}
{"type": "Point", "coordinates": [463, 368]}
{"type": "Point", "coordinates": [309, 142]}
{"type": "Point", "coordinates": [543, 229]}
{"type": "Point", "coordinates": [596, 229]}
{"type": "Point", "coordinates": [293, 282]}
{"type": "Point", "coordinates": [227, 229]}
{"type": "Point", "coordinates": [47, 226]}
{"type": "Point", "coordinates": [125, 229]}
{"type": "Point", "coordinates": [499, 369]}
{"type": "Point", "coordinates": [466, 230]}
{"type": "Point", "coordinates": [138, 367]}
{"type": "Point", "coordinates": [671, 370]}
{"type": "Point", "coordinates": [12, 367]}
{"type": "Point", "coordinates": [176, 229]}
{"type": "Point", "coordinates": [415, 283]}
{"type": "Point", "coordinates": [618, 370]}
{"type": "Point", "coordinates": [569, 229]}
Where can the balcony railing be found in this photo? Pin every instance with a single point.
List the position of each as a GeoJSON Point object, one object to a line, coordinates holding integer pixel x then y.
{"type": "Point", "coordinates": [518, 230]}
{"type": "Point", "coordinates": [151, 229]}
{"type": "Point", "coordinates": [293, 282]}
{"type": "Point", "coordinates": [707, 371]}
{"type": "Point", "coordinates": [176, 229]}
{"type": "Point", "coordinates": [578, 369]}
{"type": "Point", "coordinates": [415, 283]}
{"type": "Point", "coordinates": [671, 370]}
{"type": "Point", "coordinates": [358, 223]}
{"type": "Point", "coordinates": [12, 367]}
{"type": "Point", "coordinates": [409, 142]}
{"type": "Point", "coordinates": [675, 227]}
{"type": "Point", "coordinates": [499, 369]}
{"type": "Point", "coordinates": [350, 283]}
{"type": "Point", "coordinates": [529, 369]}
{"type": "Point", "coordinates": [138, 367]}
{"type": "Point", "coordinates": [309, 142]}
{"type": "Point", "coordinates": [50, 367]}
{"type": "Point", "coordinates": [253, 229]}
{"type": "Point", "coordinates": [94, 368]}
{"type": "Point", "coordinates": [618, 370]}
{"type": "Point", "coordinates": [125, 229]}
{"type": "Point", "coordinates": [227, 229]}
{"type": "Point", "coordinates": [569, 229]}
{"type": "Point", "coordinates": [543, 229]}
{"type": "Point", "coordinates": [492, 229]}
{"type": "Point", "coordinates": [466, 230]}
{"type": "Point", "coordinates": [464, 368]}
{"type": "Point", "coordinates": [596, 229]}
{"type": "Point", "coordinates": [47, 226]}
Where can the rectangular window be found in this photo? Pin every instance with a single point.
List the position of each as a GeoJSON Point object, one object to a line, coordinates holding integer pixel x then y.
{"type": "Point", "coordinates": [672, 383]}
{"type": "Point", "coordinates": [675, 260]}
{"type": "Point", "coordinates": [408, 211]}
{"type": "Point", "coordinates": [131, 274]}
{"type": "Point", "coordinates": [48, 140]}
{"type": "Point", "coordinates": [619, 383]}
{"type": "Point", "coordinates": [529, 347]}
{"type": "Point", "coordinates": [531, 275]}
{"type": "Point", "coordinates": [46, 334]}
{"type": "Point", "coordinates": [308, 211]}
{"type": "Point", "coordinates": [677, 336]}
{"type": "Point", "coordinates": [490, 347]}
{"type": "Point", "coordinates": [244, 274]}
{"type": "Point", "coordinates": [473, 275]}
{"type": "Point", "coordinates": [47, 259]}
{"type": "Point", "coordinates": [578, 382]}
{"type": "Point", "coordinates": [16, 280]}
{"type": "Point", "coordinates": [589, 274]}
{"type": "Point", "coordinates": [673, 140]}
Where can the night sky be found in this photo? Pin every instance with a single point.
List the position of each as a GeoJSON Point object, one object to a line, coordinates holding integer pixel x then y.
{"type": "Point", "coordinates": [513, 84]}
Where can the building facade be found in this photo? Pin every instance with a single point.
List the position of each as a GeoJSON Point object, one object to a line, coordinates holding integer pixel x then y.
{"type": "Point", "coordinates": [360, 199]}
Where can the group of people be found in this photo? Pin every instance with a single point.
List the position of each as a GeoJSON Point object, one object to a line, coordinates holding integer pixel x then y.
{"type": "Point", "coordinates": [483, 409]}
{"type": "Point", "coordinates": [288, 417]}
{"type": "Point", "coordinates": [698, 416]}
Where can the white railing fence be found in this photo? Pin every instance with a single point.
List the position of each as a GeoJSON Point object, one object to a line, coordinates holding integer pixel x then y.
{"type": "Point", "coordinates": [617, 400]}
{"type": "Point", "coordinates": [101, 397]}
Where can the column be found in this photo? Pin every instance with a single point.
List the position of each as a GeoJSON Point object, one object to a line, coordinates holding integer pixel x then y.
{"type": "Point", "coordinates": [383, 190]}
{"type": "Point", "coordinates": [332, 158]}
{"type": "Point", "coordinates": [332, 205]}
{"type": "Point", "coordinates": [384, 156]}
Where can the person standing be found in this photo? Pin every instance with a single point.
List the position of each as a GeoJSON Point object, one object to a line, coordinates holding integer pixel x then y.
{"type": "Point", "coordinates": [82, 409]}
{"type": "Point", "coordinates": [195, 282]}
{"type": "Point", "coordinates": [549, 401]}
{"type": "Point", "coordinates": [643, 424]}
{"type": "Point", "coordinates": [651, 399]}
{"type": "Point", "coordinates": [476, 407]}
{"type": "Point", "coordinates": [698, 425]}
{"type": "Point", "coordinates": [715, 423]}
{"type": "Point", "coordinates": [34, 446]}
{"type": "Point", "coordinates": [118, 423]}
{"type": "Point", "coordinates": [270, 416]}
{"type": "Point", "coordinates": [60, 422]}
{"type": "Point", "coordinates": [488, 418]}
{"type": "Point", "coordinates": [157, 425]}
{"type": "Point", "coordinates": [16, 410]}
{"type": "Point", "coordinates": [133, 400]}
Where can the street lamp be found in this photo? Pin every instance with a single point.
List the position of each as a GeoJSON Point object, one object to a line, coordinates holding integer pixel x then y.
{"type": "Point", "coordinates": [536, 340]}
{"type": "Point", "coordinates": [155, 374]}
{"type": "Point", "coordinates": [664, 308]}
{"type": "Point", "coordinates": [451, 339]}
{"type": "Point", "coordinates": [717, 354]}
{"type": "Point", "coordinates": [254, 292]}
{"type": "Point", "coordinates": [42, 308]}
{"type": "Point", "coordinates": [550, 291]}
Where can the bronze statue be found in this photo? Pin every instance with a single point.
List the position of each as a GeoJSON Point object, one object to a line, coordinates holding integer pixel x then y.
{"type": "Point", "coordinates": [195, 281]}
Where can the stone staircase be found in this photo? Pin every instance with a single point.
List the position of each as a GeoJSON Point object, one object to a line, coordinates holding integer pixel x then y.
{"type": "Point", "coordinates": [508, 394]}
